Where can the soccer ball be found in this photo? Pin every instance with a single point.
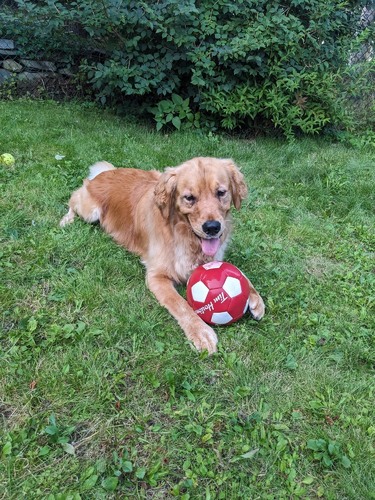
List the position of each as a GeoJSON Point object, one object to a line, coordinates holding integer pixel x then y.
{"type": "Point", "coordinates": [218, 292]}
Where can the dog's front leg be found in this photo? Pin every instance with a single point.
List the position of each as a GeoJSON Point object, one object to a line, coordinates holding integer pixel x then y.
{"type": "Point", "coordinates": [256, 304]}
{"type": "Point", "coordinates": [202, 335]}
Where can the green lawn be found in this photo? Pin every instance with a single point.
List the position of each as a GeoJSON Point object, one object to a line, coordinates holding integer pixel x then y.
{"type": "Point", "coordinates": [101, 395]}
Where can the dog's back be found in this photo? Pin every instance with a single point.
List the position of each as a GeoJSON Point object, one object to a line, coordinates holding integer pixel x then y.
{"type": "Point", "coordinates": [126, 200]}
{"type": "Point", "coordinates": [122, 200]}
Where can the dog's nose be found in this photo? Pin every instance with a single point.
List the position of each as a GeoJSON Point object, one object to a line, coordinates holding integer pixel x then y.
{"type": "Point", "coordinates": [211, 227]}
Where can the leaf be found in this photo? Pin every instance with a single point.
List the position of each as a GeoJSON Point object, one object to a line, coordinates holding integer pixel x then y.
{"type": "Point", "coordinates": [32, 324]}
{"type": "Point", "coordinates": [281, 427]}
{"type": "Point", "coordinates": [316, 444]}
{"type": "Point", "coordinates": [190, 396]}
{"type": "Point", "coordinates": [68, 448]}
{"type": "Point", "coordinates": [308, 480]}
{"type": "Point", "coordinates": [80, 326]}
{"type": "Point", "coordinates": [88, 472]}
{"type": "Point", "coordinates": [242, 391]}
{"type": "Point", "coordinates": [346, 462]}
{"type": "Point", "coordinates": [291, 362]}
{"type": "Point", "coordinates": [140, 472]}
{"type": "Point", "coordinates": [51, 430]}
{"type": "Point", "coordinates": [332, 447]}
{"type": "Point", "coordinates": [159, 346]}
{"type": "Point", "coordinates": [320, 491]}
{"type": "Point", "coordinates": [177, 99]}
{"type": "Point", "coordinates": [176, 122]}
{"type": "Point", "coordinates": [337, 356]}
{"type": "Point", "coordinates": [250, 454]}
{"type": "Point", "coordinates": [296, 415]}
{"type": "Point", "coordinates": [281, 444]}
{"type": "Point", "coordinates": [127, 466]}
{"type": "Point", "coordinates": [68, 330]}
{"type": "Point", "coordinates": [90, 482]}
{"type": "Point", "coordinates": [206, 437]}
{"type": "Point", "coordinates": [100, 465]}
{"type": "Point", "coordinates": [43, 451]}
{"type": "Point", "coordinates": [326, 460]}
{"type": "Point", "coordinates": [165, 105]}
{"type": "Point", "coordinates": [7, 448]}
{"type": "Point", "coordinates": [110, 484]}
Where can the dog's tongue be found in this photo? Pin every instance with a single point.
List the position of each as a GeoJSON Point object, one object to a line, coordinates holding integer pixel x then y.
{"type": "Point", "coordinates": [210, 247]}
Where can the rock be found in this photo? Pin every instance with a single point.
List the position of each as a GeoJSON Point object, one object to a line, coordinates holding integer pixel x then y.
{"type": "Point", "coordinates": [12, 65]}
{"type": "Point", "coordinates": [66, 72]}
{"type": "Point", "coordinates": [38, 65]}
{"type": "Point", "coordinates": [8, 52]}
{"type": "Point", "coordinates": [6, 44]}
{"type": "Point", "coordinates": [49, 66]}
{"type": "Point", "coordinates": [32, 76]}
{"type": "Point", "coordinates": [5, 75]}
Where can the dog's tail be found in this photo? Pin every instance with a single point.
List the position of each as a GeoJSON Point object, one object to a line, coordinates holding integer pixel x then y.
{"type": "Point", "coordinates": [98, 168]}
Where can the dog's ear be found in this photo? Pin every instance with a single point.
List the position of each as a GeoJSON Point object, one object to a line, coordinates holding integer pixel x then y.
{"type": "Point", "coordinates": [237, 184]}
{"type": "Point", "coordinates": [164, 191]}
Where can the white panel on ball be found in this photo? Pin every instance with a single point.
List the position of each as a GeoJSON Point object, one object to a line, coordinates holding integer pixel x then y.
{"type": "Point", "coordinates": [199, 291]}
{"type": "Point", "coordinates": [213, 265]}
{"type": "Point", "coordinates": [232, 286]}
{"type": "Point", "coordinates": [221, 318]}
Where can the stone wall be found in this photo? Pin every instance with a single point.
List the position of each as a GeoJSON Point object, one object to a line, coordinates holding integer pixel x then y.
{"type": "Point", "coordinates": [35, 77]}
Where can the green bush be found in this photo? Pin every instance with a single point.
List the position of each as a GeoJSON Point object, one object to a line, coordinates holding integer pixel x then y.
{"type": "Point", "coordinates": [226, 63]}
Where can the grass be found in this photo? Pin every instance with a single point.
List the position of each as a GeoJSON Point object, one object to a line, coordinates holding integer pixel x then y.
{"type": "Point", "coordinates": [101, 396]}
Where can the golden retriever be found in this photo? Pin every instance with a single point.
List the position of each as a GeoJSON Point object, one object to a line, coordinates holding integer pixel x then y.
{"type": "Point", "coordinates": [175, 221]}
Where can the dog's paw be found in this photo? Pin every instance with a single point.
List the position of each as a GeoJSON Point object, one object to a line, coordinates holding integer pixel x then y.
{"type": "Point", "coordinates": [64, 221]}
{"type": "Point", "coordinates": [257, 308]}
{"type": "Point", "coordinates": [67, 219]}
{"type": "Point", "coordinates": [205, 340]}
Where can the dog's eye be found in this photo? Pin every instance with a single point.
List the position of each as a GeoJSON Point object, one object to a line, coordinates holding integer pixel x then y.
{"type": "Point", "coordinates": [221, 193]}
{"type": "Point", "coordinates": [190, 198]}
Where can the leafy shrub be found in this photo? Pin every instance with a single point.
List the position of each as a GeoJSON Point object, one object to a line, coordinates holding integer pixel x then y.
{"type": "Point", "coordinates": [175, 110]}
{"type": "Point", "coordinates": [232, 63]}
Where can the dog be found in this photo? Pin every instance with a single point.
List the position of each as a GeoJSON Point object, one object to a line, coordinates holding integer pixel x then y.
{"type": "Point", "coordinates": [174, 220]}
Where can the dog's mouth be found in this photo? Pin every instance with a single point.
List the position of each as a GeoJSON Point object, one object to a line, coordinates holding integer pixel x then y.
{"type": "Point", "coordinates": [210, 246]}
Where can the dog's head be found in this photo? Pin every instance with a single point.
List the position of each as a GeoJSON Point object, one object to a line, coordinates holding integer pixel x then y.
{"type": "Point", "coordinates": [202, 191]}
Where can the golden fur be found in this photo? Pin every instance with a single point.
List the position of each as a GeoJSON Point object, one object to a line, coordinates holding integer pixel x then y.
{"type": "Point", "coordinates": [175, 221]}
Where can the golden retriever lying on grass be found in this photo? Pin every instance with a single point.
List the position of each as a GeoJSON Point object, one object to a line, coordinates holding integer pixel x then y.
{"type": "Point", "coordinates": [175, 221]}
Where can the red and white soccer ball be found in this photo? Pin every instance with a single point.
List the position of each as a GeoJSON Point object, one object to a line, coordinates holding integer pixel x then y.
{"type": "Point", "coordinates": [218, 292]}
